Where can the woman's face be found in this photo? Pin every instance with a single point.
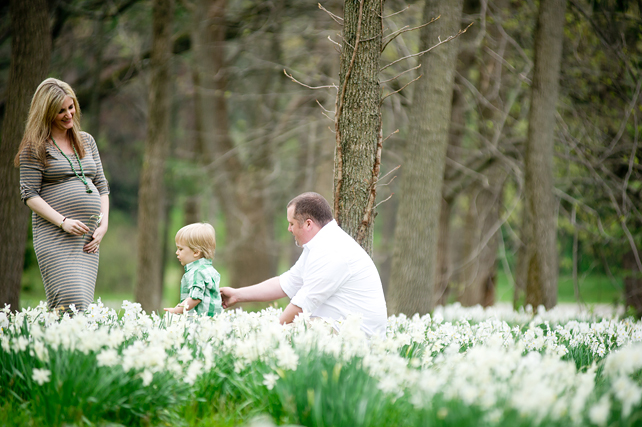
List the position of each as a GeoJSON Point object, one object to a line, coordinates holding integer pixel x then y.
{"type": "Point", "coordinates": [65, 118]}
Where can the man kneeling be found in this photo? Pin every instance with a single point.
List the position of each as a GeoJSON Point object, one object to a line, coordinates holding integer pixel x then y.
{"type": "Point", "coordinates": [332, 278]}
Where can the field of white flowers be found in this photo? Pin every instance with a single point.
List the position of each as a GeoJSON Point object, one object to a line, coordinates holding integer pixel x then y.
{"type": "Point", "coordinates": [458, 367]}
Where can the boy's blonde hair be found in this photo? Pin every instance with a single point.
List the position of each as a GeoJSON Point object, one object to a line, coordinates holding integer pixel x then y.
{"type": "Point", "coordinates": [198, 237]}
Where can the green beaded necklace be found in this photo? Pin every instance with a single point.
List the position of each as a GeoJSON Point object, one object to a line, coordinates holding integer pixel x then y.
{"type": "Point", "coordinates": [82, 178]}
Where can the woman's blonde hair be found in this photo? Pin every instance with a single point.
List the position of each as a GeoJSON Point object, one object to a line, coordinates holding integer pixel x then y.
{"type": "Point", "coordinates": [45, 106]}
{"type": "Point", "coordinates": [198, 237]}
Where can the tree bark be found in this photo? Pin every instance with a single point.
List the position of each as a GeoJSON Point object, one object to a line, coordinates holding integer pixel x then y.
{"type": "Point", "coordinates": [358, 121]}
{"type": "Point", "coordinates": [149, 289]}
{"type": "Point", "coordinates": [416, 237]}
{"type": "Point", "coordinates": [239, 183]}
{"type": "Point", "coordinates": [465, 61]}
{"type": "Point", "coordinates": [479, 277]}
{"type": "Point", "coordinates": [541, 251]}
{"type": "Point", "coordinates": [30, 54]}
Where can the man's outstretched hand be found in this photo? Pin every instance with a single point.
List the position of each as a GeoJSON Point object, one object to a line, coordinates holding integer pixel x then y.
{"type": "Point", "coordinates": [229, 297]}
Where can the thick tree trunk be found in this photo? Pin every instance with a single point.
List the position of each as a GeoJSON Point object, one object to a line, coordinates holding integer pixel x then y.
{"type": "Point", "coordinates": [465, 60]}
{"type": "Point", "coordinates": [541, 251]}
{"type": "Point", "coordinates": [241, 190]}
{"type": "Point", "coordinates": [358, 121]}
{"type": "Point", "coordinates": [30, 54]}
{"type": "Point", "coordinates": [416, 237]}
{"type": "Point", "coordinates": [149, 289]}
{"type": "Point", "coordinates": [479, 276]}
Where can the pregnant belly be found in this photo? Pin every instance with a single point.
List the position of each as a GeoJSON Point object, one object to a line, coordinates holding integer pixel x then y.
{"type": "Point", "coordinates": [71, 199]}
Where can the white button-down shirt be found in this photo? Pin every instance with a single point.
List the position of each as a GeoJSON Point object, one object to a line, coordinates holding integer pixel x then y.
{"type": "Point", "coordinates": [334, 277]}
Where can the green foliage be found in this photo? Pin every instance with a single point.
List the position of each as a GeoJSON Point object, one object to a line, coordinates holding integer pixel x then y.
{"type": "Point", "coordinates": [325, 392]}
{"type": "Point", "coordinates": [79, 391]}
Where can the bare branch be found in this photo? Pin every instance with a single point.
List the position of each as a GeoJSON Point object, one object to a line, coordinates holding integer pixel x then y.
{"type": "Point", "coordinates": [611, 196]}
{"type": "Point", "coordinates": [400, 74]}
{"type": "Point", "coordinates": [604, 39]}
{"type": "Point", "coordinates": [338, 44]}
{"type": "Point", "coordinates": [562, 195]}
{"type": "Point", "coordinates": [329, 118]}
{"type": "Point", "coordinates": [384, 200]}
{"type": "Point", "coordinates": [324, 109]}
{"type": "Point", "coordinates": [516, 45]}
{"type": "Point", "coordinates": [396, 13]}
{"type": "Point", "coordinates": [405, 30]}
{"type": "Point", "coordinates": [402, 88]}
{"type": "Point", "coordinates": [631, 161]}
{"type": "Point", "coordinates": [371, 38]}
{"type": "Point", "coordinates": [389, 172]}
{"type": "Point", "coordinates": [386, 138]}
{"type": "Point", "coordinates": [393, 35]}
{"type": "Point", "coordinates": [337, 19]}
{"type": "Point", "coordinates": [482, 178]}
{"type": "Point", "coordinates": [620, 131]}
{"type": "Point", "coordinates": [309, 87]}
{"type": "Point", "coordinates": [459, 33]}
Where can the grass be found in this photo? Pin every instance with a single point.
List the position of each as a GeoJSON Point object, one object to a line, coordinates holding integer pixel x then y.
{"type": "Point", "coordinates": [594, 289]}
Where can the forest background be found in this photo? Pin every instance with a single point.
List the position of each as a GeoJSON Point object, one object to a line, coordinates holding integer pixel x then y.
{"type": "Point", "coordinates": [196, 120]}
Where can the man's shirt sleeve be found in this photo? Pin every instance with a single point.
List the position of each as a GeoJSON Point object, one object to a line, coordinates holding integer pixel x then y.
{"type": "Point", "coordinates": [292, 280]}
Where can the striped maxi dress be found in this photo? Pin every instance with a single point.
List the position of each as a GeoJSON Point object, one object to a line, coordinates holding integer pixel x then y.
{"type": "Point", "coordinates": [68, 273]}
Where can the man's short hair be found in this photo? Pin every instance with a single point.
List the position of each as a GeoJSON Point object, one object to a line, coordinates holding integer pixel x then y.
{"type": "Point", "coordinates": [311, 205]}
{"type": "Point", "coordinates": [198, 237]}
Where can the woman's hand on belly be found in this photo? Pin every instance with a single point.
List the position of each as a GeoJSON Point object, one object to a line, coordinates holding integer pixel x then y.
{"type": "Point", "coordinates": [96, 238]}
{"type": "Point", "coordinates": [75, 227]}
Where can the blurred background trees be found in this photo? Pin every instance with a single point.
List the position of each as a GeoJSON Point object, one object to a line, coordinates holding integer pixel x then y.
{"type": "Point", "coordinates": [243, 139]}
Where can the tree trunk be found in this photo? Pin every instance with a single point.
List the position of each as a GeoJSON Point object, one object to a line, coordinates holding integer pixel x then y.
{"type": "Point", "coordinates": [30, 54]}
{"type": "Point", "coordinates": [465, 61]}
{"type": "Point", "coordinates": [480, 275]}
{"type": "Point", "coordinates": [358, 121]}
{"type": "Point", "coordinates": [149, 289]}
{"type": "Point", "coordinates": [541, 251]}
{"type": "Point", "coordinates": [416, 237]}
{"type": "Point", "coordinates": [478, 278]}
{"type": "Point", "coordinates": [632, 284]}
{"type": "Point", "coordinates": [240, 189]}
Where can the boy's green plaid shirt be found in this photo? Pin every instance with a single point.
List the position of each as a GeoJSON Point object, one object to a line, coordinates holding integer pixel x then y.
{"type": "Point", "coordinates": [201, 281]}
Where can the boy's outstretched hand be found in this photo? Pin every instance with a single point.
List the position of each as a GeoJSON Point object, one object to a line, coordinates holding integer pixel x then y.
{"type": "Point", "coordinates": [228, 297]}
{"type": "Point", "coordinates": [179, 309]}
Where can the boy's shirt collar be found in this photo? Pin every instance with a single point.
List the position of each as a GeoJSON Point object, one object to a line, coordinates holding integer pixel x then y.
{"type": "Point", "coordinates": [197, 263]}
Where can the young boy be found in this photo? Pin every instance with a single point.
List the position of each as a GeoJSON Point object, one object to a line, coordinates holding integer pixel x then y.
{"type": "Point", "coordinates": [195, 245]}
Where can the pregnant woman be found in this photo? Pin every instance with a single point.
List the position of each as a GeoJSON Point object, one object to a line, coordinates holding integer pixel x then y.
{"type": "Point", "coordinates": [62, 181]}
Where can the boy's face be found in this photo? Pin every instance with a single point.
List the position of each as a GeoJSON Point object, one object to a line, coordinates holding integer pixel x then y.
{"type": "Point", "coordinates": [186, 255]}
